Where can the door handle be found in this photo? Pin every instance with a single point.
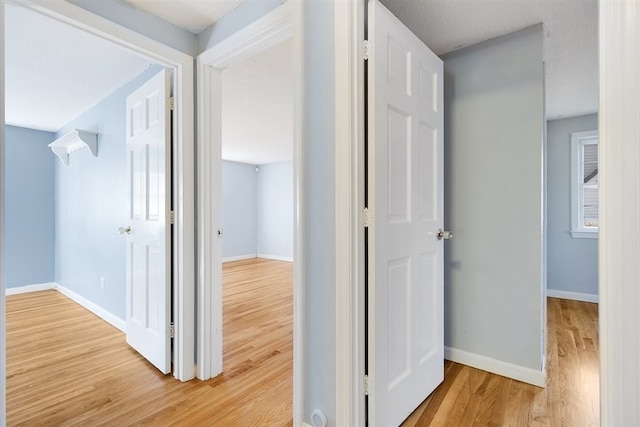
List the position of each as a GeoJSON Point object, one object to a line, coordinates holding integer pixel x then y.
{"type": "Point", "coordinates": [124, 230]}
{"type": "Point", "coordinates": [446, 235]}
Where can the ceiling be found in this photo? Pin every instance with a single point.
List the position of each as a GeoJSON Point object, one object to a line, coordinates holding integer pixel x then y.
{"type": "Point", "coordinates": [191, 15]}
{"type": "Point", "coordinates": [570, 48]}
{"type": "Point", "coordinates": [54, 73]}
{"type": "Point", "coordinates": [257, 107]}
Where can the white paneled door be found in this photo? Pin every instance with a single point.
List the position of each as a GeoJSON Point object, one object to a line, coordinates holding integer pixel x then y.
{"type": "Point", "coordinates": [405, 179]}
{"type": "Point", "coordinates": [148, 231]}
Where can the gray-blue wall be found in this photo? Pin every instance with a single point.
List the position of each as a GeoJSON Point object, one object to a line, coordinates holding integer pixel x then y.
{"type": "Point", "coordinates": [494, 119]}
{"type": "Point", "coordinates": [29, 207]}
{"type": "Point", "coordinates": [91, 203]}
{"type": "Point", "coordinates": [129, 16]}
{"type": "Point", "coordinates": [257, 210]}
{"type": "Point", "coordinates": [239, 209]}
{"type": "Point", "coordinates": [318, 204]}
{"type": "Point", "coordinates": [275, 210]}
{"type": "Point", "coordinates": [572, 263]}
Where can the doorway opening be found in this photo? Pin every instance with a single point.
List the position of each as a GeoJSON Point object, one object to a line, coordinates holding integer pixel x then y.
{"type": "Point", "coordinates": [257, 228]}
{"type": "Point", "coordinates": [268, 32]}
{"type": "Point", "coordinates": [181, 66]}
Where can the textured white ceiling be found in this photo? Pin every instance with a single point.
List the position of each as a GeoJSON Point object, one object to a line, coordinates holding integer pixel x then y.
{"type": "Point", "coordinates": [257, 112]}
{"type": "Point", "coordinates": [191, 15]}
{"type": "Point", "coordinates": [570, 39]}
{"type": "Point", "coordinates": [55, 72]}
{"type": "Point", "coordinates": [570, 35]}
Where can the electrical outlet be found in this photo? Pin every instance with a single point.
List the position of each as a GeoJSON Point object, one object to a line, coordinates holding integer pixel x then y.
{"type": "Point", "coordinates": [102, 283]}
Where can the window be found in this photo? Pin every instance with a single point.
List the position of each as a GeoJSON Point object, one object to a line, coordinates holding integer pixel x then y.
{"type": "Point", "coordinates": [584, 184]}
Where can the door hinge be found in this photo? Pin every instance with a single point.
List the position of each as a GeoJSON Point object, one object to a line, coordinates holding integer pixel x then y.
{"type": "Point", "coordinates": [367, 217]}
{"type": "Point", "coordinates": [172, 217]}
{"type": "Point", "coordinates": [366, 48]}
{"type": "Point", "coordinates": [172, 330]}
{"type": "Point", "coordinates": [367, 386]}
{"type": "Point", "coordinates": [170, 103]}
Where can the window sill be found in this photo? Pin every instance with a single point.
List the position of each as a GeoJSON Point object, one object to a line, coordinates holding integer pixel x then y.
{"type": "Point", "coordinates": [584, 234]}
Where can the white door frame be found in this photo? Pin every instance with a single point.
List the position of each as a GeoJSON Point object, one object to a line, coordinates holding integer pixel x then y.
{"type": "Point", "coordinates": [183, 160]}
{"type": "Point", "coordinates": [274, 27]}
{"type": "Point", "coordinates": [349, 93]}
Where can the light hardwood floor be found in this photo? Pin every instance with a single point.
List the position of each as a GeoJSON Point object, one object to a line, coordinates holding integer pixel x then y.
{"type": "Point", "coordinates": [67, 367]}
{"type": "Point", "coordinates": [470, 397]}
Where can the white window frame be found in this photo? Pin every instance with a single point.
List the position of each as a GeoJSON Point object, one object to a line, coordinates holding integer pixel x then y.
{"type": "Point", "coordinates": [579, 140]}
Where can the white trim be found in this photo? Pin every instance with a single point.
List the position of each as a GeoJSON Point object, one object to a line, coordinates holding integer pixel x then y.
{"type": "Point", "coordinates": [239, 258]}
{"type": "Point", "coordinates": [619, 243]}
{"type": "Point", "coordinates": [299, 216]}
{"type": "Point", "coordinates": [30, 288]}
{"type": "Point", "coordinates": [576, 296]}
{"type": "Point", "coordinates": [495, 366]}
{"type": "Point", "coordinates": [183, 159]}
{"type": "Point", "coordinates": [584, 234]}
{"type": "Point", "coordinates": [267, 31]}
{"type": "Point", "coordinates": [275, 26]}
{"type": "Point", "coordinates": [209, 321]}
{"type": "Point", "coordinates": [578, 140]}
{"type": "Point", "coordinates": [349, 201]}
{"type": "Point", "coordinates": [105, 315]}
{"type": "Point", "coordinates": [276, 257]}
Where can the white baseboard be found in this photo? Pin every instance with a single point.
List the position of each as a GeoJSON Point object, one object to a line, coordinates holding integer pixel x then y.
{"type": "Point", "coordinates": [276, 257]}
{"type": "Point", "coordinates": [94, 308]}
{"type": "Point", "coordinates": [576, 296]}
{"type": "Point", "coordinates": [239, 257]}
{"type": "Point", "coordinates": [506, 369]}
{"type": "Point", "coordinates": [30, 288]}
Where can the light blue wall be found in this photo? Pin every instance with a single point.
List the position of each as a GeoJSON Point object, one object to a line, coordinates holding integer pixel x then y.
{"type": "Point", "coordinates": [135, 19]}
{"type": "Point", "coordinates": [29, 207]}
{"type": "Point", "coordinates": [572, 263]}
{"type": "Point", "coordinates": [91, 203]}
{"type": "Point", "coordinates": [238, 18]}
{"type": "Point", "coordinates": [318, 203]}
{"type": "Point", "coordinates": [494, 119]}
{"type": "Point", "coordinates": [239, 209]}
{"type": "Point", "coordinates": [275, 210]}
{"type": "Point", "coordinates": [257, 210]}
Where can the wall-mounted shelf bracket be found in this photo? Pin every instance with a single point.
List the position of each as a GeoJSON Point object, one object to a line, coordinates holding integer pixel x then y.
{"type": "Point", "coordinates": [74, 140]}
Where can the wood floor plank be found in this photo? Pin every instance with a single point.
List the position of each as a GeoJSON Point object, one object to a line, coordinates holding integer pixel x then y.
{"type": "Point", "coordinates": [67, 367]}
{"type": "Point", "coordinates": [470, 397]}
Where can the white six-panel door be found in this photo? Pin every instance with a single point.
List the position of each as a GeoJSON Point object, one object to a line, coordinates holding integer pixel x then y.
{"type": "Point", "coordinates": [148, 232]}
{"type": "Point", "coordinates": [405, 149]}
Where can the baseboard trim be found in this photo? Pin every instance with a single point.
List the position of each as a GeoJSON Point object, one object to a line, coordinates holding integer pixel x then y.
{"type": "Point", "coordinates": [239, 257]}
{"type": "Point", "coordinates": [94, 308]}
{"type": "Point", "coordinates": [30, 288]}
{"type": "Point", "coordinates": [276, 257]}
{"type": "Point", "coordinates": [506, 369]}
{"type": "Point", "coordinates": [576, 296]}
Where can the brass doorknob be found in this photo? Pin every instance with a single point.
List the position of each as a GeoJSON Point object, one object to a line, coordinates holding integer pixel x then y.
{"type": "Point", "coordinates": [124, 230]}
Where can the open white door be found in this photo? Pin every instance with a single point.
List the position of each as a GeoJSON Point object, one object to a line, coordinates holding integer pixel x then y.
{"type": "Point", "coordinates": [405, 179]}
{"type": "Point", "coordinates": [148, 234]}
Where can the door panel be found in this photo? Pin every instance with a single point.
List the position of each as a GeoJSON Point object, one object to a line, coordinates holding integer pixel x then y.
{"type": "Point", "coordinates": [406, 335]}
{"type": "Point", "coordinates": [148, 241]}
